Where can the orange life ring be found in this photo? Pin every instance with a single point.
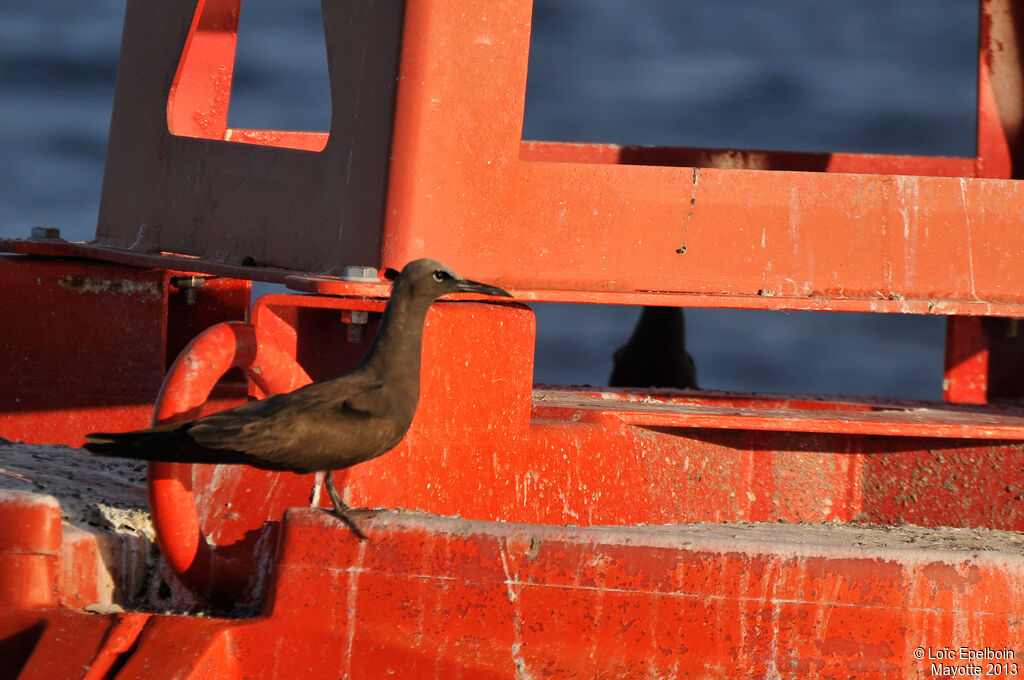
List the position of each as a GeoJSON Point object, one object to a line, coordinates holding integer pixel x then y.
{"type": "Point", "coordinates": [186, 388]}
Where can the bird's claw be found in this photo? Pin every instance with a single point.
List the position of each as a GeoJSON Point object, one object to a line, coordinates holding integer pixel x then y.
{"type": "Point", "coordinates": [340, 507]}
{"type": "Point", "coordinates": [350, 523]}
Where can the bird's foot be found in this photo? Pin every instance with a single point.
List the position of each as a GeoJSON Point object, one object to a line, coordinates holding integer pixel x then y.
{"type": "Point", "coordinates": [340, 507]}
{"type": "Point", "coordinates": [350, 523]}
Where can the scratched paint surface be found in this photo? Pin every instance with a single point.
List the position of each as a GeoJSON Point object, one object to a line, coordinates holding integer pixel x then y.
{"type": "Point", "coordinates": [431, 597]}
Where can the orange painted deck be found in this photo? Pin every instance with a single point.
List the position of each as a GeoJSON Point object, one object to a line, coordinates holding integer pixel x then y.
{"type": "Point", "coordinates": [436, 597]}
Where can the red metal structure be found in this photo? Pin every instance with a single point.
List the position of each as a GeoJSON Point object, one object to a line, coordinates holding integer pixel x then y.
{"type": "Point", "coordinates": [533, 531]}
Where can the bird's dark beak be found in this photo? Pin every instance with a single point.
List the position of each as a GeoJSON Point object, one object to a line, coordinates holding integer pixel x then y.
{"type": "Point", "coordinates": [467, 286]}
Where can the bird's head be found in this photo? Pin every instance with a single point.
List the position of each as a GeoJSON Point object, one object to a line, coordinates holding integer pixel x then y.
{"type": "Point", "coordinates": [431, 279]}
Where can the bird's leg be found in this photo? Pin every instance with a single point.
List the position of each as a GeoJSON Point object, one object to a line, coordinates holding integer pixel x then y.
{"type": "Point", "coordinates": [340, 507]}
{"type": "Point", "coordinates": [318, 481]}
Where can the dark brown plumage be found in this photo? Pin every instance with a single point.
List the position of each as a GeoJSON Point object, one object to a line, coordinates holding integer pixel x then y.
{"type": "Point", "coordinates": [328, 425]}
{"type": "Point", "coordinates": [655, 355]}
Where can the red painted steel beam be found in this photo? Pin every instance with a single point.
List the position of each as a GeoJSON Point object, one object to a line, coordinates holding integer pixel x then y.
{"type": "Point", "coordinates": [189, 648]}
{"type": "Point", "coordinates": [967, 361]}
{"type": "Point", "coordinates": [324, 285]}
{"type": "Point", "coordinates": [58, 643]}
{"type": "Point", "coordinates": [30, 540]}
{"type": "Point", "coordinates": [65, 365]}
{"type": "Point", "coordinates": [312, 283]}
{"type": "Point", "coordinates": [984, 361]}
{"type": "Point", "coordinates": [456, 598]}
{"type": "Point", "coordinates": [463, 598]}
{"type": "Point", "coordinates": [892, 419]}
{"type": "Point", "coordinates": [817, 240]}
{"type": "Point", "coordinates": [46, 564]}
{"type": "Point", "coordinates": [197, 104]}
{"type": "Point", "coordinates": [85, 344]}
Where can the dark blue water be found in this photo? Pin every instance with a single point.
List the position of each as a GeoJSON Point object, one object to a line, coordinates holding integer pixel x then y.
{"type": "Point", "coordinates": [797, 75]}
{"type": "Point", "coordinates": [875, 75]}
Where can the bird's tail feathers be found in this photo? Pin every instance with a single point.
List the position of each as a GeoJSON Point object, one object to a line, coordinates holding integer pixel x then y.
{"type": "Point", "coordinates": [167, 443]}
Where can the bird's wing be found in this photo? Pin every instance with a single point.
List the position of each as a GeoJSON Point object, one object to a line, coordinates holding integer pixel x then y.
{"type": "Point", "coordinates": [368, 401]}
{"type": "Point", "coordinates": [274, 431]}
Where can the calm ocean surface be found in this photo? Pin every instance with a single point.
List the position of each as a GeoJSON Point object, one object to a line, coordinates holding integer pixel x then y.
{"type": "Point", "coordinates": [870, 76]}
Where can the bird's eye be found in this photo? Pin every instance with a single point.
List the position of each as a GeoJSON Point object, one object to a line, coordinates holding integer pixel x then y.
{"type": "Point", "coordinates": [440, 276]}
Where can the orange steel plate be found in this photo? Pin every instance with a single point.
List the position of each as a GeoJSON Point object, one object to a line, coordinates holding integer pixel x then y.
{"type": "Point", "coordinates": [462, 189]}
{"type": "Point", "coordinates": [707, 411]}
{"type": "Point", "coordinates": [446, 597]}
{"type": "Point", "coordinates": [524, 292]}
{"type": "Point", "coordinates": [667, 298]}
{"type": "Point", "coordinates": [440, 597]}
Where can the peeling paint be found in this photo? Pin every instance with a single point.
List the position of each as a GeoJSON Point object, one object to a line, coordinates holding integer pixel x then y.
{"type": "Point", "coordinates": [86, 284]}
{"type": "Point", "coordinates": [682, 248]}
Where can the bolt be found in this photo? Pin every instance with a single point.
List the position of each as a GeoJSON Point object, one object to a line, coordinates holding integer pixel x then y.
{"type": "Point", "coordinates": [45, 234]}
{"type": "Point", "coordinates": [356, 320]}
{"type": "Point", "coordinates": [188, 288]}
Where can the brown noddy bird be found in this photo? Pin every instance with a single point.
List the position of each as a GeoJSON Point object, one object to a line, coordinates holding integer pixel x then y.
{"type": "Point", "coordinates": [327, 425]}
{"type": "Point", "coordinates": [655, 355]}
